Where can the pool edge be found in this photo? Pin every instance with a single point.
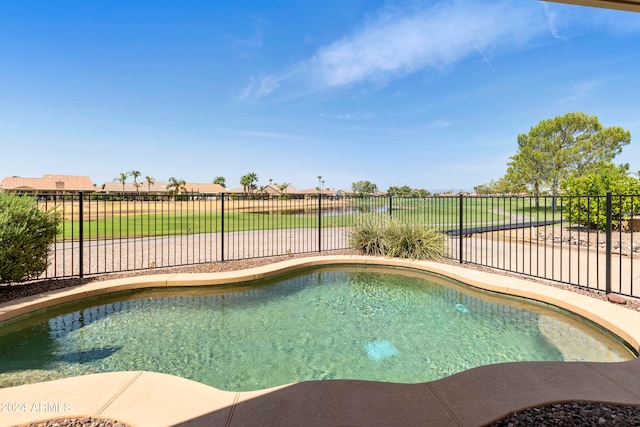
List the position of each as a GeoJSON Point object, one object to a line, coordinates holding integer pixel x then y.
{"type": "Point", "coordinates": [617, 319]}
{"type": "Point", "coordinates": [473, 397]}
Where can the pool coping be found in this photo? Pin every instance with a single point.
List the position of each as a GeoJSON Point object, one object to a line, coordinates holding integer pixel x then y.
{"type": "Point", "coordinates": [471, 398]}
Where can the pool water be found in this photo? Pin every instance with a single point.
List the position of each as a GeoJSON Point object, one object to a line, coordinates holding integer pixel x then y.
{"type": "Point", "coordinates": [368, 323]}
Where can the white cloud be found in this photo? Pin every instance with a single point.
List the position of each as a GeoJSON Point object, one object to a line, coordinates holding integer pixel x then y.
{"type": "Point", "coordinates": [552, 17]}
{"type": "Point", "coordinates": [348, 116]}
{"type": "Point", "coordinates": [580, 91]}
{"type": "Point", "coordinates": [566, 21]}
{"type": "Point", "coordinates": [398, 42]}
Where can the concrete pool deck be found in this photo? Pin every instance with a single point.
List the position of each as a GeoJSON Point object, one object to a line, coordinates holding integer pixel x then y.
{"type": "Point", "coordinates": [471, 398]}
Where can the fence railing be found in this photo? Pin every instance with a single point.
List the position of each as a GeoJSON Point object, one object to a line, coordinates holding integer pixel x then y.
{"type": "Point", "coordinates": [582, 241]}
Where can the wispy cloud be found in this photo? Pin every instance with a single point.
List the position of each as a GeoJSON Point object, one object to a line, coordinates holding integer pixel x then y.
{"type": "Point", "coordinates": [348, 116]}
{"type": "Point", "coordinates": [397, 42]}
{"type": "Point", "coordinates": [246, 46]}
{"type": "Point", "coordinates": [580, 91]}
{"type": "Point", "coordinates": [566, 21]}
{"type": "Point", "coordinates": [258, 134]}
{"type": "Point", "coordinates": [552, 17]}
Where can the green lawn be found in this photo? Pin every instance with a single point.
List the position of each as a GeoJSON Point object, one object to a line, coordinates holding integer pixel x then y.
{"type": "Point", "coordinates": [442, 212]}
{"type": "Point", "coordinates": [178, 224]}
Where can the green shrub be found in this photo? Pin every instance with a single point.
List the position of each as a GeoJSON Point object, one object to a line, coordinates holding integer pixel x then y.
{"type": "Point", "coordinates": [26, 233]}
{"type": "Point", "coordinates": [413, 241]}
{"type": "Point", "coordinates": [591, 212]}
{"type": "Point", "coordinates": [381, 236]}
{"type": "Point", "coordinates": [367, 234]}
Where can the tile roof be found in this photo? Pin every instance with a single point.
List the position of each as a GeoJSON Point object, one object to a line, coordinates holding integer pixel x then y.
{"type": "Point", "coordinates": [48, 183]}
{"type": "Point", "coordinates": [204, 188]}
{"type": "Point", "coordinates": [116, 187]}
{"type": "Point", "coordinates": [159, 187]}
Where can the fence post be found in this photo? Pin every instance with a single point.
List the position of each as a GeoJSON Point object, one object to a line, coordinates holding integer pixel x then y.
{"type": "Point", "coordinates": [81, 232]}
{"type": "Point", "coordinates": [319, 222]}
{"type": "Point", "coordinates": [222, 230]}
{"type": "Point", "coordinates": [608, 243]}
{"type": "Point", "coordinates": [390, 206]}
{"type": "Point", "coordinates": [460, 237]}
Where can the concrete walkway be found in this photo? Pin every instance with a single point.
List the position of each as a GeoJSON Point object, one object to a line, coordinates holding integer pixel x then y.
{"type": "Point", "coordinates": [471, 398]}
{"type": "Point", "coordinates": [563, 263]}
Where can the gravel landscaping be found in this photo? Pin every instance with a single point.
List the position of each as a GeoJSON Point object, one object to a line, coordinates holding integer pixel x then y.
{"type": "Point", "coordinates": [578, 414]}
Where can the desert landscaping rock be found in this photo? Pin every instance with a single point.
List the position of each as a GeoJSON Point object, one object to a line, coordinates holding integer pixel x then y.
{"type": "Point", "coordinates": [77, 422]}
{"type": "Point", "coordinates": [574, 414]}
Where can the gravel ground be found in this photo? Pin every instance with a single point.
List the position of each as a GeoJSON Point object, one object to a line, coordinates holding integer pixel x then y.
{"type": "Point", "coordinates": [566, 414]}
{"type": "Point", "coordinates": [579, 414]}
{"type": "Point", "coordinates": [77, 422]}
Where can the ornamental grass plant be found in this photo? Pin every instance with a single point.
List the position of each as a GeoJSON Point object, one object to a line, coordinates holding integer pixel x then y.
{"type": "Point", "coordinates": [367, 235]}
{"type": "Point", "coordinates": [382, 236]}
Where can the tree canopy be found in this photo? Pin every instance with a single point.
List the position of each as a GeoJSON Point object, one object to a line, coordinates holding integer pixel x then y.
{"type": "Point", "coordinates": [220, 180]}
{"type": "Point", "coordinates": [175, 186]}
{"type": "Point", "coordinates": [364, 188]}
{"type": "Point", "coordinates": [556, 148]}
{"type": "Point", "coordinates": [248, 182]}
{"type": "Point", "coordinates": [406, 191]}
{"type": "Point", "coordinates": [596, 183]}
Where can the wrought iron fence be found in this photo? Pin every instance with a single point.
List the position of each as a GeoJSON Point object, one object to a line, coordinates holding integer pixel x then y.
{"type": "Point", "coordinates": [582, 241]}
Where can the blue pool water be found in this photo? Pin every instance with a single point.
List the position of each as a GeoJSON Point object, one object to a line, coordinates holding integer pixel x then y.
{"type": "Point", "coordinates": [367, 323]}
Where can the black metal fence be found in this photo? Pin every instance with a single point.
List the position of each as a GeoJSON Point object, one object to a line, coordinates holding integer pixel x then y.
{"type": "Point", "coordinates": [582, 241]}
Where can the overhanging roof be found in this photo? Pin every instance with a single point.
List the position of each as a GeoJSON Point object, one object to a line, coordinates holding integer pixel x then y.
{"type": "Point", "coordinates": [630, 5]}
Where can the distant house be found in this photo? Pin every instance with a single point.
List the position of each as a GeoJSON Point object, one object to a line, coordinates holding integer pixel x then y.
{"type": "Point", "coordinates": [272, 191]}
{"type": "Point", "coordinates": [204, 188]}
{"type": "Point", "coordinates": [116, 187]}
{"type": "Point", "coordinates": [48, 185]}
{"type": "Point", "coordinates": [158, 187]}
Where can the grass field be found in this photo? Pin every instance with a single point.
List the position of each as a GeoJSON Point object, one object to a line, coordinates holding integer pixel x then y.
{"type": "Point", "coordinates": [120, 219]}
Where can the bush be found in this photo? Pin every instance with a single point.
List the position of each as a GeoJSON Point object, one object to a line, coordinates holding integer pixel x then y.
{"type": "Point", "coordinates": [375, 235]}
{"type": "Point", "coordinates": [367, 235]}
{"type": "Point", "coordinates": [413, 241]}
{"type": "Point", "coordinates": [26, 233]}
{"type": "Point", "coordinates": [591, 212]}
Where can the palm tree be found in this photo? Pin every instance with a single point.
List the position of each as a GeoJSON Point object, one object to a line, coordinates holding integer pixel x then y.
{"type": "Point", "coordinates": [245, 182]}
{"type": "Point", "coordinates": [135, 174]}
{"type": "Point", "coordinates": [248, 182]}
{"type": "Point", "coordinates": [176, 185]}
{"type": "Point", "coordinates": [253, 180]}
{"type": "Point", "coordinates": [123, 179]}
{"type": "Point", "coordinates": [283, 188]}
{"type": "Point", "coordinates": [150, 181]}
{"type": "Point", "coordinates": [319, 188]}
{"type": "Point", "coordinates": [220, 181]}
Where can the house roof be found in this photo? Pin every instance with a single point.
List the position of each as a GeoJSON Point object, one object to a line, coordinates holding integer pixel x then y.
{"type": "Point", "coordinates": [160, 187]}
{"type": "Point", "coordinates": [629, 5]}
{"type": "Point", "coordinates": [49, 182]}
{"type": "Point", "coordinates": [116, 187]}
{"type": "Point", "coordinates": [192, 187]}
{"type": "Point", "coordinates": [272, 189]}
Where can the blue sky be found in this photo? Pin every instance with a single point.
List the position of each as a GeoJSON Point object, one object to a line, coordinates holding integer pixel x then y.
{"type": "Point", "coordinates": [429, 94]}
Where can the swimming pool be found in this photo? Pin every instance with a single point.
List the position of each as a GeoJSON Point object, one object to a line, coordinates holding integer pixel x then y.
{"type": "Point", "coordinates": [356, 322]}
